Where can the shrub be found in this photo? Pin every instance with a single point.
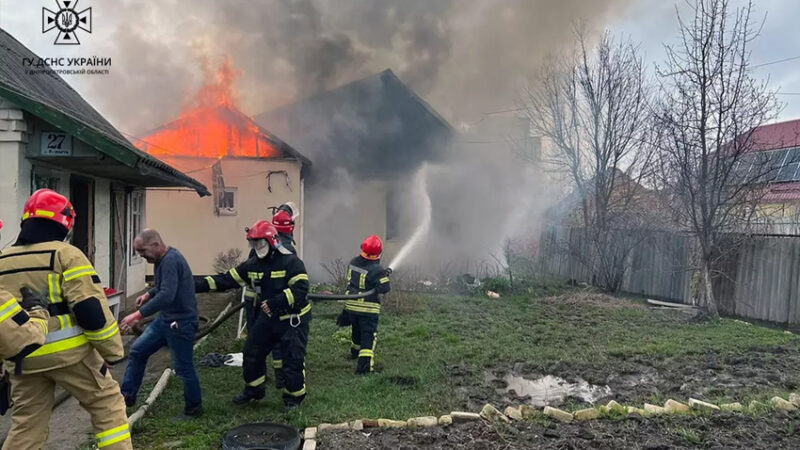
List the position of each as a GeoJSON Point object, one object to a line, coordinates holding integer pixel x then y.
{"type": "Point", "coordinates": [227, 260]}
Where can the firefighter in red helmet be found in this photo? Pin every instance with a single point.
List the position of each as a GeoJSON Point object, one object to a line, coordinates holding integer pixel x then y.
{"type": "Point", "coordinates": [366, 273]}
{"type": "Point", "coordinates": [281, 285]}
{"type": "Point", "coordinates": [284, 224]}
{"type": "Point", "coordinates": [83, 338]}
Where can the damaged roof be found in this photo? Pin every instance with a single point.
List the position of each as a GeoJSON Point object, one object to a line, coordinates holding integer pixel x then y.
{"type": "Point", "coordinates": [48, 96]}
{"type": "Point", "coordinates": [375, 126]}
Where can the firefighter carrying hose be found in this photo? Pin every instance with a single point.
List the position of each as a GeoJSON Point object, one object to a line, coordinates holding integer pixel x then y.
{"type": "Point", "coordinates": [281, 286]}
{"type": "Point", "coordinates": [283, 220]}
{"type": "Point", "coordinates": [83, 337]}
{"type": "Point", "coordinates": [365, 273]}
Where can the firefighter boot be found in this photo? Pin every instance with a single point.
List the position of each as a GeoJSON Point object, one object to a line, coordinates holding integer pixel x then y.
{"type": "Point", "coordinates": [249, 394]}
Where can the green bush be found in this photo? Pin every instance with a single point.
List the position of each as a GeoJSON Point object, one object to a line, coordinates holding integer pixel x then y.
{"type": "Point", "coordinates": [497, 284]}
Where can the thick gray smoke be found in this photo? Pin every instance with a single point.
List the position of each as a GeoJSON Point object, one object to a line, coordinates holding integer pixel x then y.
{"type": "Point", "coordinates": [465, 57]}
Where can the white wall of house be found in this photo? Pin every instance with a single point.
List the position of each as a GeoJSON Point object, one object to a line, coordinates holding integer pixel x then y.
{"type": "Point", "coordinates": [20, 136]}
{"type": "Point", "coordinates": [188, 222]}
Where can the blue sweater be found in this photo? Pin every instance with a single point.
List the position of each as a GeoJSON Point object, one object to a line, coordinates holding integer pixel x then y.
{"type": "Point", "coordinates": [173, 293]}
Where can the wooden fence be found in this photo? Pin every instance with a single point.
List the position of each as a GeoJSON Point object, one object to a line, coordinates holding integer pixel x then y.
{"type": "Point", "coordinates": [760, 279]}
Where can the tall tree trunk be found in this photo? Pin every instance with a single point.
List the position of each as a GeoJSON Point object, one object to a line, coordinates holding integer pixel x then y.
{"type": "Point", "coordinates": [711, 301]}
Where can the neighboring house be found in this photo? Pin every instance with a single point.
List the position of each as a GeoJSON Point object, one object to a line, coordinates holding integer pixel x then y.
{"type": "Point", "coordinates": [779, 144]}
{"type": "Point", "coordinates": [249, 169]}
{"type": "Point", "coordinates": [631, 206]}
{"type": "Point", "coordinates": [367, 138]}
{"type": "Point", "coordinates": [50, 137]}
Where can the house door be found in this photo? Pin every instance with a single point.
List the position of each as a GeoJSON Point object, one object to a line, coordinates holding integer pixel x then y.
{"type": "Point", "coordinates": [81, 192]}
{"type": "Point", "coordinates": [120, 265]}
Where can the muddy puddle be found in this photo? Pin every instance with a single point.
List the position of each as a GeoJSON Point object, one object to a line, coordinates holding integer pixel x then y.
{"type": "Point", "coordinates": [548, 390]}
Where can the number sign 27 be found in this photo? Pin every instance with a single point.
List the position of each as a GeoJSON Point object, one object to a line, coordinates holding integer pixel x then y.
{"type": "Point", "coordinates": [56, 144]}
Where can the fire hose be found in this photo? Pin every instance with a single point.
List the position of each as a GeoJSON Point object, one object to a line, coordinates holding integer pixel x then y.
{"type": "Point", "coordinates": [60, 399]}
{"type": "Point", "coordinates": [316, 297]}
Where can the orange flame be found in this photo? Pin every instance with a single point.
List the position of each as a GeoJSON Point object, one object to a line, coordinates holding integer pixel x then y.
{"type": "Point", "coordinates": [210, 125]}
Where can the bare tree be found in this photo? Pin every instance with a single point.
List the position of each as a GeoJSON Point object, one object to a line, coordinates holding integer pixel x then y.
{"type": "Point", "coordinates": [592, 106]}
{"type": "Point", "coordinates": [709, 108]}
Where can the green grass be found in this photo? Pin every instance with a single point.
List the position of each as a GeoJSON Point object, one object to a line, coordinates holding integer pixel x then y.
{"type": "Point", "coordinates": [430, 336]}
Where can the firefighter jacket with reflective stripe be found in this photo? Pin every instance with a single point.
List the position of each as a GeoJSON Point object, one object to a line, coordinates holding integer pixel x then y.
{"type": "Point", "coordinates": [278, 279]}
{"type": "Point", "coordinates": [363, 275]}
{"type": "Point", "coordinates": [21, 332]}
{"type": "Point", "coordinates": [79, 315]}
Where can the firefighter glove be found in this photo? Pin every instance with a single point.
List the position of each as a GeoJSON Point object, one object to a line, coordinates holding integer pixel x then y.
{"type": "Point", "coordinates": [32, 301]}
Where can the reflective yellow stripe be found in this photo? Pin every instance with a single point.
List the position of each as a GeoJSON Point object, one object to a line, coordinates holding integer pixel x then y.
{"type": "Point", "coordinates": [104, 334]}
{"type": "Point", "coordinates": [111, 431]}
{"type": "Point", "coordinates": [61, 323]}
{"type": "Point", "coordinates": [362, 281]}
{"type": "Point", "coordinates": [366, 353]}
{"type": "Point", "coordinates": [125, 435]}
{"type": "Point", "coordinates": [297, 278]}
{"type": "Point", "coordinates": [349, 275]}
{"type": "Point", "coordinates": [384, 280]}
{"type": "Point", "coordinates": [277, 274]}
{"type": "Point", "coordinates": [78, 272]}
{"type": "Point", "coordinates": [258, 381]}
{"type": "Point", "coordinates": [77, 269]}
{"type": "Point", "coordinates": [82, 273]}
{"type": "Point", "coordinates": [250, 294]}
{"type": "Point", "coordinates": [8, 309]}
{"type": "Point", "coordinates": [60, 346]}
{"type": "Point", "coordinates": [289, 297]}
{"type": "Point", "coordinates": [41, 321]}
{"type": "Point", "coordinates": [43, 213]}
{"type": "Point", "coordinates": [237, 278]}
{"type": "Point", "coordinates": [212, 285]}
{"type": "Point", "coordinates": [277, 364]}
{"type": "Point", "coordinates": [113, 436]}
{"type": "Point", "coordinates": [302, 312]}
{"type": "Point", "coordinates": [363, 307]}
{"type": "Point", "coordinates": [296, 393]}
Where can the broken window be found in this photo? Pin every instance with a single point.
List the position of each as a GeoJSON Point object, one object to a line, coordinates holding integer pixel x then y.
{"type": "Point", "coordinates": [226, 201]}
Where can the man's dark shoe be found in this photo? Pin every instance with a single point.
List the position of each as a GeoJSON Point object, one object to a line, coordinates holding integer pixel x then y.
{"type": "Point", "coordinates": [194, 411]}
{"type": "Point", "coordinates": [248, 396]}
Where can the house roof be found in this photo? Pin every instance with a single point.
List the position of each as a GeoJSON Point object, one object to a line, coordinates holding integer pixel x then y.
{"type": "Point", "coordinates": [373, 126]}
{"type": "Point", "coordinates": [222, 131]}
{"type": "Point", "coordinates": [48, 96]}
{"type": "Point", "coordinates": [777, 136]}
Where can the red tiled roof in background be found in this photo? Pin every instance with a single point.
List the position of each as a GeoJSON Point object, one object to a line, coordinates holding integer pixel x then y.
{"type": "Point", "coordinates": [783, 192]}
{"type": "Point", "coordinates": [777, 135]}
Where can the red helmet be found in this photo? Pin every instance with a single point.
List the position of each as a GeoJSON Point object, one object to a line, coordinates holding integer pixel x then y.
{"type": "Point", "coordinates": [49, 204]}
{"type": "Point", "coordinates": [372, 247]}
{"type": "Point", "coordinates": [283, 222]}
{"type": "Point", "coordinates": [264, 230]}
{"type": "Point", "coordinates": [1, 224]}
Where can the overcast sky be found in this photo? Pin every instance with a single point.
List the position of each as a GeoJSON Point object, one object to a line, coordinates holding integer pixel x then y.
{"type": "Point", "coordinates": [651, 22]}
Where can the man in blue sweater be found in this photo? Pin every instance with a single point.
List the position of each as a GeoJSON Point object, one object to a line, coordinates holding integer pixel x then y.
{"type": "Point", "coordinates": [172, 296]}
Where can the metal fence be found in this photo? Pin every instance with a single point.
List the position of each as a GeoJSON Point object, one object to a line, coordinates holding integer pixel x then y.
{"type": "Point", "coordinates": [760, 279]}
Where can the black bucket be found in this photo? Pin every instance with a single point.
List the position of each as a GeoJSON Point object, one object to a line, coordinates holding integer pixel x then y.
{"type": "Point", "coordinates": [262, 436]}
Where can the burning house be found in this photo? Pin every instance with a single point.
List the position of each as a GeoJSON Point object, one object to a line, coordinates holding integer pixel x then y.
{"type": "Point", "coordinates": [50, 137]}
{"type": "Point", "coordinates": [366, 138]}
{"type": "Point", "coordinates": [248, 168]}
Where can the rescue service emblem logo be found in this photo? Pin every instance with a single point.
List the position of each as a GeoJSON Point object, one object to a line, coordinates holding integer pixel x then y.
{"type": "Point", "coordinates": [67, 20]}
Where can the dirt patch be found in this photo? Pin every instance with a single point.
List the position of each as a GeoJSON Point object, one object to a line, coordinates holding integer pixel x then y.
{"type": "Point", "coordinates": [593, 299]}
{"type": "Point", "coordinates": [723, 430]}
{"type": "Point", "coordinates": [640, 378]}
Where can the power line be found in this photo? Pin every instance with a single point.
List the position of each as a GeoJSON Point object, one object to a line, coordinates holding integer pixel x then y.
{"type": "Point", "coordinates": [775, 62]}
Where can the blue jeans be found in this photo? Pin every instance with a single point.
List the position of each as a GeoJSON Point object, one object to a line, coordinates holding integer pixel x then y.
{"type": "Point", "coordinates": [180, 341]}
